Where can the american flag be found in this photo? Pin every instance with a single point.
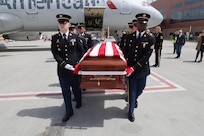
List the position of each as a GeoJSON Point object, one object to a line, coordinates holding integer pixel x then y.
{"type": "Point", "coordinates": [102, 49]}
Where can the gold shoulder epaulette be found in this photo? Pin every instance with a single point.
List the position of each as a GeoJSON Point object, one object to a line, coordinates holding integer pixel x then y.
{"type": "Point", "coordinates": [56, 34]}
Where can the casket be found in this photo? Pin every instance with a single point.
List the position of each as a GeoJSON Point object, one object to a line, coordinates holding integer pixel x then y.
{"type": "Point", "coordinates": [102, 67]}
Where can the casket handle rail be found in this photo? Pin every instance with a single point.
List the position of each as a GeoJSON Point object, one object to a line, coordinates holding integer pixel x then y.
{"type": "Point", "coordinates": [102, 78]}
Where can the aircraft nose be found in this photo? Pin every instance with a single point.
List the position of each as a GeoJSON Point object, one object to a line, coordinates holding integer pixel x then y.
{"type": "Point", "coordinates": [155, 19]}
{"type": "Point", "coordinates": [155, 16]}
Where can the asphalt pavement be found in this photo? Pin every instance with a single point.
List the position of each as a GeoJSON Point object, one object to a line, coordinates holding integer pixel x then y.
{"type": "Point", "coordinates": [31, 103]}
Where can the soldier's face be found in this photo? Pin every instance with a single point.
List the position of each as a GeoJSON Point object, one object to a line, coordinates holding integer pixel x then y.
{"type": "Point", "coordinates": [134, 28]}
{"type": "Point", "coordinates": [81, 29]}
{"type": "Point", "coordinates": [64, 26]}
{"type": "Point", "coordinates": [141, 26]}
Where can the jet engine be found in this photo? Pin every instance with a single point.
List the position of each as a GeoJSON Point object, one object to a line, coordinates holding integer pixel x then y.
{"type": "Point", "coordinates": [23, 36]}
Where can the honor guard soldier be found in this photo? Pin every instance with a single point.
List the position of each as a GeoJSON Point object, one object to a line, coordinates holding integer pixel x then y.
{"type": "Point", "coordinates": [73, 29]}
{"type": "Point", "coordinates": [124, 36]}
{"type": "Point", "coordinates": [132, 27]}
{"type": "Point", "coordinates": [82, 32]}
{"type": "Point", "coordinates": [137, 50]}
{"type": "Point", "coordinates": [67, 51]}
{"type": "Point", "coordinates": [158, 45]}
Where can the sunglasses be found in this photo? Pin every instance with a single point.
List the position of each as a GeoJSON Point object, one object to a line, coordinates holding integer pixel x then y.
{"type": "Point", "coordinates": [63, 22]}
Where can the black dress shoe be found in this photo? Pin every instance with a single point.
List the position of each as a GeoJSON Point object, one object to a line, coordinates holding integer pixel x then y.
{"type": "Point", "coordinates": [66, 117]}
{"type": "Point", "coordinates": [155, 65]}
{"type": "Point", "coordinates": [131, 117]}
{"type": "Point", "coordinates": [126, 98]}
{"type": "Point", "coordinates": [78, 105]}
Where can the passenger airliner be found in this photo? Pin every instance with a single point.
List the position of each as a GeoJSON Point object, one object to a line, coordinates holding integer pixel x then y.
{"type": "Point", "coordinates": [24, 19]}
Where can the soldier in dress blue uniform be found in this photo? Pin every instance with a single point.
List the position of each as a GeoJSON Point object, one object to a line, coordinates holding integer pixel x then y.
{"type": "Point", "coordinates": [124, 36]}
{"type": "Point", "coordinates": [137, 51]}
{"type": "Point", "coordinates": [67, 51]}
{"type": "Point", "coordinates": [132, 27]}
{"type": "Point", "coordinates": [158, 45]}
{"type": "Point", "coordinates": [73, 29]}
{"type": "Point", "coordinates": [82, 32]}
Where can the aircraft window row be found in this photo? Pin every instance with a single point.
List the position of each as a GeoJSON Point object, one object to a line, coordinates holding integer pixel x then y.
{"type": "Point", "coordinates": [190, 2]}
{"type": "Point", "coordinates": [63, 1]}
{"type": "Point", "coordinates": [179, 5]}
{"type": "Point", "coordinates": [162, 10]}
{"type": "Point", "coordinates": [90, 2]}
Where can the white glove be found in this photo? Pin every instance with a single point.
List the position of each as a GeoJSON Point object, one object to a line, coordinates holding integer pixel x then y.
{"type": "Point", "coordinates": [69, 67]}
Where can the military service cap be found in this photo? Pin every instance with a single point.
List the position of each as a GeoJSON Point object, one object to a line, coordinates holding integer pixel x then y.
{"type": "Point", "coordinates": [72, 27]}
{"type": "Point", "coordinates": [80, 25]}
{"type": "Point", "coordinates": [134, 22]}
{"type": "Point", "coordinates": [63, 18]}
{"type": "Point", "coordinates": [142, 17]}
{"type": "Point", "coordinates": [130, 24]}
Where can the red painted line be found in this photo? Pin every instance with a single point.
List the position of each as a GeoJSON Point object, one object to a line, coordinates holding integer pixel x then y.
{"type": "Point", "coordinates": [164, 81]}
{"type": "Point", "coordinates": [24, 95]}
{"type": "Point", "coordinates": [28, 95]}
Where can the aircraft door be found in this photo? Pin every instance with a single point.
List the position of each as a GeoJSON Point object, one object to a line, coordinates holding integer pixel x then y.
{"type": "Point", "coordinates": [94, 17]}
{"type": "Point", "coordinates": [31, 7]}
{"type": "Point", "coordinates": [125, 7]}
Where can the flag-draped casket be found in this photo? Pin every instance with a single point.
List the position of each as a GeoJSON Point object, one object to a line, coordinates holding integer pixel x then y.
{"type": "Point", "coordinates": [103, 67]}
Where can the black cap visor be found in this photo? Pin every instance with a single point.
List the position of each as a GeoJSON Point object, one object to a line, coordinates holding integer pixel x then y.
{"type": "Point", "coordinates": [143, 21]}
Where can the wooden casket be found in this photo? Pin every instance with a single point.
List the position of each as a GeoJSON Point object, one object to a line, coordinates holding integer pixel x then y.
{"type": "Point", "coordinates": [103, 67]}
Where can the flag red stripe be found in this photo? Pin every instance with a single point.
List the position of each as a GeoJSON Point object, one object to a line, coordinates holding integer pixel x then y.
{"type": "Point", "coordinates": [102, 50]}
{"type": "Point", "coordinates": [115, 51]}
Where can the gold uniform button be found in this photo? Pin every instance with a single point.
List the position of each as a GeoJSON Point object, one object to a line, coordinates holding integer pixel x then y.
{"type": "Point", "coordinates": [59, 49]}
{"type": "Point", "coordinates": [135, 59]}
{"type": "Point", "coordinates": [67, 59]}
{"type": "Point", "coordinates": [65, 45]}
{"type": "Point", "coordinates": [66, 54]}
{"type": "Point", "coordinates": [65, 49]}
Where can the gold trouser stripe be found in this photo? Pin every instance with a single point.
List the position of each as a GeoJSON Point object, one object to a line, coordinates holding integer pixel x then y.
{"type": "Point", "coordinates": [128, 91]}
{"type": "Point", "coordinates": [139, 64]}
{"type": "Point", "coordinates": [159, 50]}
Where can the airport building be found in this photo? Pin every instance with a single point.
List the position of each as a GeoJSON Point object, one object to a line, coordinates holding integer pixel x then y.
{"type": "Point", "coordinates": [187, 15]}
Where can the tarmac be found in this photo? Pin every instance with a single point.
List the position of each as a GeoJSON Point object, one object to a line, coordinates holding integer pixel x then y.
{"type": "Point", "coordinates": [31, 103]}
